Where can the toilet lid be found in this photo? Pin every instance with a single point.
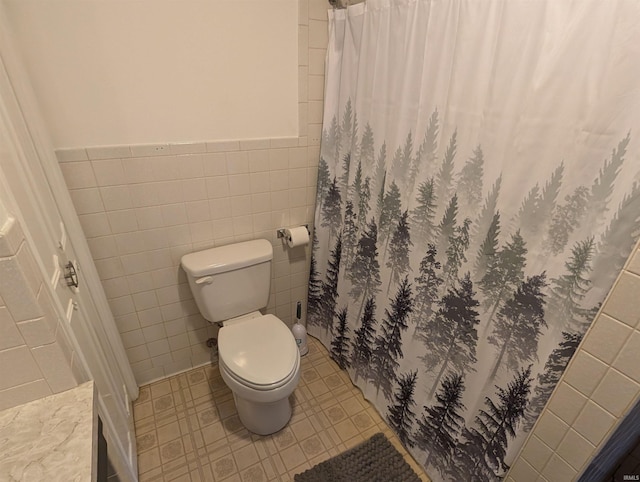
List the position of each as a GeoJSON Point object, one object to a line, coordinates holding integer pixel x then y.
{"type": "Point", "coordinates": [260, 350]}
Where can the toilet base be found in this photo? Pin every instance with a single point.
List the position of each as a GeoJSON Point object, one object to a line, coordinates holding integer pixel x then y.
{"type": "Point", "coordinates": [263, 418]}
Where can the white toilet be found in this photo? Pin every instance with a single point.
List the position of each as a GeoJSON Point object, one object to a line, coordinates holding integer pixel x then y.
{"type": "Point", "coordinates": [258, 355]}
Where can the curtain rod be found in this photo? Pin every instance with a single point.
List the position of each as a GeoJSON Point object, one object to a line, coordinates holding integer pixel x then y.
{"type": "Point", "coordinates": [339, 4]}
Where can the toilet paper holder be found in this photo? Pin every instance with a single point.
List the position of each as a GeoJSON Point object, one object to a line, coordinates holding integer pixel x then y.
{"type": "Point", "coordinates": [281, 232]}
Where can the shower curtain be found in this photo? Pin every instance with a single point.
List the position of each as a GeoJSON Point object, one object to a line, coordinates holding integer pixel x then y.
{"type": "Point", "coordinates": [477, 196]}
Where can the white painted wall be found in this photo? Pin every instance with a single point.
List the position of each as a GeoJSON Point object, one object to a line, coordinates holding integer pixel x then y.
{"type": "Point", "coordinates": [146, 71]}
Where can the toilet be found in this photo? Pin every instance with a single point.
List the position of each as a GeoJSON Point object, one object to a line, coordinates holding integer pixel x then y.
{"type": "Point", "coordinates": [258, 356]}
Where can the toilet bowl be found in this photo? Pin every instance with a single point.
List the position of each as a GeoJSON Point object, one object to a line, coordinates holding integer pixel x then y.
{"type": "Point", "coordinates": [258, 356]}
{"type": "Point", "coordinates": [260, 362]}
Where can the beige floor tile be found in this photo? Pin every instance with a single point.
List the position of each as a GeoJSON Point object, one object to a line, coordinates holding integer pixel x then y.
{"type": "Point", "coordinates": [293, 457]}
{"type": "Point", "coordinates": [335, 414]}
{"type": "Point", "coordinates": [312, 446]}
{"type": "Point", "coordinates": [171, 451]}
{"type": "Point", "coordinates": [146, 441]}
{"type": "Point", "coordinates": [188, 430]}
{"type": "Point", "coordinates": [151, 475]}
{"type": "Point", "coordinates": [224, 467]}
{"type": "Point", "coordinates": [216, 450]}
{"type": "Point", "coordinates": [302, 429]}
{"type": "Point", "coordinates": [142, 410]}
{"type": "Point", "coordinates": [179, 474]}
{"type": "Point", "coordinates": [148, 460]}
{"type": "Point", "coordinates": [144, 394]}
{"type": "Point", "coordinates": [159, 389]}
{"type": "Point", "coordinates": [213, 433]}
{"type": "Point", "coordinates": [319, 387]}
{"type": "Point", "coordinates": [245, 457]}
{"type": "Point", "coordinates": [168, 432]}
{"type": "Point", "coordinates": [200, 390]}
{"type": "Point", "coordinates": [226, 408]}
{"type": "Point", "coordinates": [255, 473]}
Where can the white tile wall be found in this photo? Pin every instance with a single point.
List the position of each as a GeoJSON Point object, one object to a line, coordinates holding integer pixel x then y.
{"type": "Point", "coordinates": [599, 387]}
{"type": "Point", "coordinates": [34, 361]}
{"type": "Point", "coordinates": [143, 206]}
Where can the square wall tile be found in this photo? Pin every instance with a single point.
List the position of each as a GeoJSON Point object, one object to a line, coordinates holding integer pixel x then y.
{"type": "Point", "coordinates": [109, 268]}
{"type": "Point", "coordinates": [318, 10]}
{"type": "Point", "coordinates": [133, 338]}
{"type": "Point", "coordinates": [522, 471]}
{"type": "Point", "coordinates": [585, 372]}
{"type": "Point", "coordinates": [191, 166]}
{"type": "Point", "coordinates": [87, 201]}
{"type": "Point", "coordinates": [36, 332]}
{"type": "Point", "coordinates": [536, 453]}
{"type": "Point", "coordinates": [170, 191]}
{"type": "Point", "coordinates": [550, 429]}
{"type": "Point", "coordinates": [558, 470]}
{"type": "Point", "coordinates": [116, 197]}
{"type": "Point", "coordinates": [127, 322]}
{"type": "Point", "coordinates": [137, 354]}
{"type": "Point", "coordinates": [55, 367]}
{"type": "Point", "coordinates": [606, 338]}
{"type": "Point", "coordinates": [618, 304]}
{"type": "Point", "coordinates": [103, 247]}
{"type": "Point", "coordinates": [194, 189]}
{"type": "Point", "coordinates": [318, 34]}
{"type": "Point", "coordinates": [122, 221]}
{"type": "Point", "coordinates": [628, 361]}
{"type": "Point", "coordinates": [218, 187]}
{"type": "Point", "coordinates": [11, 238]}
{"type": "Point", "coordinates": [165, 168]}
{"type": "Point", "coordinates": [303, 45]}
{"type": "Point", "coordinates": [10, 337]}
{"type": "Point", "coordinates": [566, 402]}
{"type": "Point", "coordinates": [145, 195]}
{"type": "Point", "coordinates": [316, 61]}
{"type": "Point", "coordinates": [214, 164]}
{"type": "Point", "coordinates": [237, 162]}
{"type": "Point", "coordinates": [23, 367]}
{"type": "Point", "coordinates": [27, 392]}
{"type": "Point", "coordinates": [634, 263]}
{"type": "Point", "coordinates": [616, 392]}
{"type": "Point", "coordinates": [594, 423]}
{"type": "Point", "coordinates": [258, 160]}
{"type": "Point", "coordinates": [109, 172]}
{"type": "Point", "coordinates": [16, 291]}
{"type": "Point", "coordinates": [78, 174]}
{"type": "Point", "coordinates": [575, 449]}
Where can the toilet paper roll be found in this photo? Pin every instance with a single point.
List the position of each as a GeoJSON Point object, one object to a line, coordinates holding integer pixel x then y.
{"type": "Point", "coordinates": [297, 236]}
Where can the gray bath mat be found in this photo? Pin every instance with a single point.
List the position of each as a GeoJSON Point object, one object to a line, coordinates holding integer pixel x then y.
{"type": "Point", "coordinates": [374, 460]}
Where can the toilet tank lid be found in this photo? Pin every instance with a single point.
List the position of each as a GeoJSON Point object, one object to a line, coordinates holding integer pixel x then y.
{"type": "Point", "coordinates": [227, 258]}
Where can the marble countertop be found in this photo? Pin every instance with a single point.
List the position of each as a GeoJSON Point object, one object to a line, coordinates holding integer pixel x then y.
{"type": "Point", "coordinates": [53, 438]}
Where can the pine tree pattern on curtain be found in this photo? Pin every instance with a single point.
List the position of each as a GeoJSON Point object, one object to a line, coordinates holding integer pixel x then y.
{"type": "Point", "coordinates": [452, 294]}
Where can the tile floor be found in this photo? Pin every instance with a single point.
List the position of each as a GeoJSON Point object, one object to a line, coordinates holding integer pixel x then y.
{"type": "Point", "coordinates": [187, 428]}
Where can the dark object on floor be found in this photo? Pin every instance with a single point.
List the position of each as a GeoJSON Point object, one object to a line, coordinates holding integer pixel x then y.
{"type": "Point", "coordinates": [374, 460]}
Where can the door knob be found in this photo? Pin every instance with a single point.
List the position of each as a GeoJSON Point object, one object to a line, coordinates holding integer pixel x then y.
{"type": "Point", "coordinates": [71, 275]}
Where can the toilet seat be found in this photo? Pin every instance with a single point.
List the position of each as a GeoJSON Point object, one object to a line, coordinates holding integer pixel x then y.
{"type": "Point", "coordinates": [258, 387]}
{"type": "Point", "coordinates": [260, 353]}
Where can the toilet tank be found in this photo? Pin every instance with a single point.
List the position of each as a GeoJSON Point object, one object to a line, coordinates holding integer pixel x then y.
{"type": "Point", "coordinates": [231, 280]}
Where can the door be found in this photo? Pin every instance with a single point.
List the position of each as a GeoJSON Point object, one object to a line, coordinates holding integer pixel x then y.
{"type": "Point", "coordinates": [31, 182]}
